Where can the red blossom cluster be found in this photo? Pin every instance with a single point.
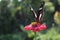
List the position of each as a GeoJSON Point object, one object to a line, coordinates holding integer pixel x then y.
{"type": "Point", "coordinates": [34, 26]}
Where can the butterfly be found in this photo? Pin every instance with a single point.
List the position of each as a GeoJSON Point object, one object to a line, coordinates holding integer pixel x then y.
{"type": "Point", "coordinates": [38, 16]}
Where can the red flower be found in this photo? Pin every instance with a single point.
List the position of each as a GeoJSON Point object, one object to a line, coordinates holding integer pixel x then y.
{"type": "Point", "coordinates": [34, 26]}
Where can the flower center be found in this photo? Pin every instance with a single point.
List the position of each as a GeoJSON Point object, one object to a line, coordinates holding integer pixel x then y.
{"type": "Point", "coordinates": [34, 23]}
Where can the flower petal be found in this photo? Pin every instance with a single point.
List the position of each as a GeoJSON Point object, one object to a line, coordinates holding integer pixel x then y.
{"type": "Point", "coordinates": [38, 27]}
{"type": "Point", "coordinates": [43, 27]}
{"type": "Point", "coordinates": [28, 27]}
{"type": "Point", "coordinates": [34, 29]}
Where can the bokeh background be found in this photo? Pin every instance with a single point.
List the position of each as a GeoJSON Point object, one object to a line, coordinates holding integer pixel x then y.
{"type": "Point", "coordinates": [15, 14]}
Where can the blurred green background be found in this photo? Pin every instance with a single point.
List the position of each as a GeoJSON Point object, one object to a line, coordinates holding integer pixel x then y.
{"type": "Point", "coordinates": [15, 14]}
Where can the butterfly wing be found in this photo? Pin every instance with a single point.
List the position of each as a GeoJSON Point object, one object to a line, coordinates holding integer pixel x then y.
{"type": "Point", "coordinates": [34, 13]}
{"type": "Point", "coordinates": [40, 11]}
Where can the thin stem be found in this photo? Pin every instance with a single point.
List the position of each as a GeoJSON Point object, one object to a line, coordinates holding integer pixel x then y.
{"type": "Point", "coordinates": [35, 35]}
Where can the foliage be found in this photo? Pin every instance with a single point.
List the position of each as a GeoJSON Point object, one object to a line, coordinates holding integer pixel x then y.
{"type": "Point", "coordinates": [14, 15]}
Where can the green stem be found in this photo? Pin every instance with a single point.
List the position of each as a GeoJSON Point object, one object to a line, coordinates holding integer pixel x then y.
{"type": "Point", "coordinates": [35, 35]}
